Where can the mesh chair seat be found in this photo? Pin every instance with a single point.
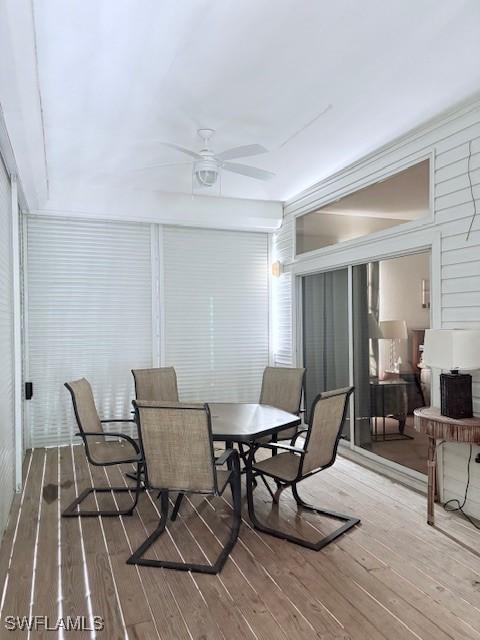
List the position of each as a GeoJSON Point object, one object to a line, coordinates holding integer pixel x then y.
{"type": "Point", "coordinates": [103, 453]}
{"type": "Point", "coordinates": [283, 466]}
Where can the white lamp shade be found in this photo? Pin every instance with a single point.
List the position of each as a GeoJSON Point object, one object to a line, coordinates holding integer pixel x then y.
{"type": "Point", "coordinates": [394, 329]}
{"type": "Point", "coordinates": [452, 349]}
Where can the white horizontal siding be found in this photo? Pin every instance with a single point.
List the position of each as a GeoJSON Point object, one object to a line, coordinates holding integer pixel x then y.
{"type": "Point", "coordinates": [216, 312]}
{"type": "Point", "coordinates": [448, 139]}
{"type": "Point", "coordinates": [460, 264]}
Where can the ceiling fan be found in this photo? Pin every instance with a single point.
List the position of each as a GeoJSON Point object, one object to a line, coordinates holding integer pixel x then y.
{"type": "Point", "coordinates": [207, 165]}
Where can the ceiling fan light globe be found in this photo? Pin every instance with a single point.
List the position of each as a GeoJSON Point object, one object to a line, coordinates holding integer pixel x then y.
{"type": "Point", "coordinates": [206, 172]}
{"type": "Point", "coordinates": [206, 177]}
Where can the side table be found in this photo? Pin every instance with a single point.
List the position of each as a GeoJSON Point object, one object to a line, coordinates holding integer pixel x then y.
{"type": "Point", "coordinates": [429, 420]}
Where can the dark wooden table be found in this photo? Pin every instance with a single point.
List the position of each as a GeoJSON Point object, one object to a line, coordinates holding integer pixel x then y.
{"type": "Point", "coordinates": [244, 423]}
{"type": "Point", "coordinates": [429, 420]}
{"type": "Point", "coordinates": [389, 398]}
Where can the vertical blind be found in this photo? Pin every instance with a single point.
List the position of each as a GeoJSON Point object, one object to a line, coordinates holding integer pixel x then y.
{"type": "Point", "coordinates": [7, 429]}
{"type": "Point", "coordinates": [89, 315]}
{"type": "Point", "coordinates": [216, 312]}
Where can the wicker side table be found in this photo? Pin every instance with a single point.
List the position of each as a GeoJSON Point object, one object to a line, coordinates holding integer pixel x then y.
{"type": "Point", "coordinates": [429, 420]}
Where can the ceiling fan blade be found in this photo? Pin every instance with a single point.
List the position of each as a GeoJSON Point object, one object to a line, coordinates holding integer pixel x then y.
{"type": "Point", "coordinates": [189, 152]}
{"type": "Point", "coordinates": [156, 166]}
{"type": "Point", "coordinates": [242, 152]}
{"type": "Point", "coordinates": [251, 172]}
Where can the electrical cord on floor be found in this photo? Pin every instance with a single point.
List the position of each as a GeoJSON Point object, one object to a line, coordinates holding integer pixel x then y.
{"type": "Point", "coordinates": [449, 504]}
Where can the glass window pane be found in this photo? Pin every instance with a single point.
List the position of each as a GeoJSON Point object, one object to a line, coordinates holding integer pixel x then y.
{"type": "Point", "coordinates": [394, 201]}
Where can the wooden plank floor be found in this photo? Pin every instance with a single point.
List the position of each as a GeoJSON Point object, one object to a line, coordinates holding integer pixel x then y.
{"type": "Point", "coordinates": [392, 578]}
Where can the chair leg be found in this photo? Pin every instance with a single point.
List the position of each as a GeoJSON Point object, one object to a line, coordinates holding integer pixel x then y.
{"type": "Point", "coordinates": [143, 477]}
{"type": "Point", "coordinates": [72, 510]}
{"type": "Point", "coordinates": [274, 497]}
{"type": "Point", "coordinates": [243, 455]}
{"type": "Point", "coordinates": [176, 507]}
{"type": "Point", "coordinates": [316, 546]}
{"type": "Point", "coordinates": [136, 557]}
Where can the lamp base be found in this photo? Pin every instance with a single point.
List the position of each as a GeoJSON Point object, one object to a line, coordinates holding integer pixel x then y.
{"type": "Point", "coordinates": [456, 395]}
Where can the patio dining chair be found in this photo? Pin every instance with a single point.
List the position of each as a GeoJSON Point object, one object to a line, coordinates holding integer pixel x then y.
{"type": "Point", "coordinates": [282, 387]}
{"type": "Point", "coordinates": [296, 463]}
{"type": "Point", "coordinates": [100, 451]}
{"type": "Point", "coordinates": [178, 446]}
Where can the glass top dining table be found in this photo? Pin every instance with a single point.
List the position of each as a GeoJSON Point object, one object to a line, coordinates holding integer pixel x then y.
{"type": "Point", "coordinates": [246, 422]}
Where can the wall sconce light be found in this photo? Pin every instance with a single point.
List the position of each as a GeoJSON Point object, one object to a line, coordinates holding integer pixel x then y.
{"type": "Point", "coordinates": [425, 294]}
{"type": "Point", "coordinates": [277, 269]}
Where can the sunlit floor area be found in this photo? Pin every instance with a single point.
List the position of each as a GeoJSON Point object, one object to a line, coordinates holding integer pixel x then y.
{"type": "Point", "coordinates": [392, 577]}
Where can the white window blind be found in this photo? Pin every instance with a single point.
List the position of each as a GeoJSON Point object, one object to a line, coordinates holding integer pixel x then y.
{"type": "Point", "coordinates": [89, 314]}
{"type": "Point", "coordinates": [216, 312]}
{"type": "Point", "coordinates": [282, 320]}
{"type": "Point", "coordinates": [7, 429]}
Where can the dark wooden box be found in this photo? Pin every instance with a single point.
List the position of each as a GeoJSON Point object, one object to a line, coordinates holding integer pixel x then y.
{"type": "Point", "coordinates": [456, 395]}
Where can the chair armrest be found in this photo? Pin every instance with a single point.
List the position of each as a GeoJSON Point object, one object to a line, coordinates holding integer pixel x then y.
{"type": "Point", "coordinates": [279, 445]}
{"type": "Point", "coordinates": [112, 434]}
{"type": "Point", "coordinates": [118, 420]}
{"type": "Point", "coordinates": [222, 459]}
{"type": "Point", "coordinates": [300, 432]}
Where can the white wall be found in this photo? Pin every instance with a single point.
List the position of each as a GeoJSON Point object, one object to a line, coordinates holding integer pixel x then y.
{"type": "Point", "coordinates": [456, 261]}
{"type": "Point", "coordinates": [400, 286]}
{"type": "Point", "coordinates": [20, 98]}
{"type": "Point", "coordinates": [400, 290]}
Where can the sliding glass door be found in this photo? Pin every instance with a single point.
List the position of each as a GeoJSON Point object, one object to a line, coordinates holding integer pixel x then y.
{"type": "Point", "coordinates": [366, 324]}
{"type": "Point", "coordinates": [325, 334]}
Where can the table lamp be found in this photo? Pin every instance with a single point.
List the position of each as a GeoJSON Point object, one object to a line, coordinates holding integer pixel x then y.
{"type": "Point", "coordinates": [453, 349]}
{"type": "Point", "coordinates": [374, 332]}
{"type": "Point", "coordinates": [394, 330]}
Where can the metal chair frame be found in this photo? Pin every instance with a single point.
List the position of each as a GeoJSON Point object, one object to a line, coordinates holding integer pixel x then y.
{"type": "Point", "coordinates": [350, 521]}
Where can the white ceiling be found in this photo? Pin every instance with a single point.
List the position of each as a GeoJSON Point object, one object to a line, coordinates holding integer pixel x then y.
{"type": "Point", "coordinates": [118, 76]}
